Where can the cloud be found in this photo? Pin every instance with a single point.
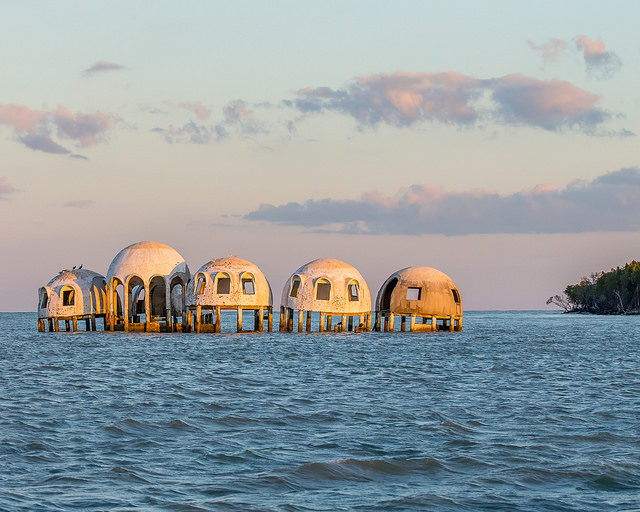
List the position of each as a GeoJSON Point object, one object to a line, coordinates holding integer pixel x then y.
{"type": "Point", "coordinates": [190, 132]}
{"type": "Point", "coordinates": [610, 202]}
{"type": "Point", "coordinates": [101, 66]}
{"type": "Point", "coordinates": [6, 188]}
{"type": "Point", "coordinates": [549, 50]}
{"type": "Point", "coordinates": [548, 104]}
{"type": "Point", "coordinates": [79, 157]}
{"type": "Point", "coordinates": [237, 114]}
{"type": "Point", "coordinates": [198, 109]}
{"type": "Point", "coordinates": [34, 128]}
{"type": "Point", "coordinates": [87, 129]}
{"type": "Point", "coordinates": [403, 99]}
{"type": "Point", "coordinates": [601, 63]}
{"type": "Point", "coordinates": [79, 203]}
{"type": "Point", "coordinates": [42, 142]}
{"type": "Point", "coordinates": [238, 119]}
{"type": "Point", "coordinates": [20, 117]}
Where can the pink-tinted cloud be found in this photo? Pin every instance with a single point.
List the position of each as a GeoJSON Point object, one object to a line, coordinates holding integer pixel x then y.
{"type": "Point", "coordinates": [87, 129]}
{"type": "Point", "coordinates": [102, 66]}
{"type": "Point", "coordinates": [6, 188]}
{"type": "Point", "coordinates": [549, 104]}
{"type": "Point", "coordinates": [34, 128]}
{"type": "Point", "coordinates": [402, 99]}
{"type": "Point", "coordinates": [598, 60]}
{"type": "Point", "coordinates": [198, 109]}
{"type": "Point", "coordinates": [20, 117]}
{"type": "Point", "coordinates": [610, 202]}
{"type": "Point", "coordinates": [549, 50]}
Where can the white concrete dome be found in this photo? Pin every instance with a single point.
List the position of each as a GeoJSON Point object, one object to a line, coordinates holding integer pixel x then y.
{"type": "Point", "coordinates": [229, 282]}
{"type": "Point", "coordinates": [327, 286]}
{"type": "Point", "coordinates": [146, 260]}
{"type": "Point", "coordinates": [420, 291]}
{"type": "Point", "coordinates": [73, 293]}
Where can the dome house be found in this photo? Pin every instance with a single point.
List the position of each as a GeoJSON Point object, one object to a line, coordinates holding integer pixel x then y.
{"type": "Point", "coordinates": [76, 294]}
{"type": "Point", "coordinates": [229, 283]}
{"type": "Point", "coordinates": [428, 297]}
{"type": "Point", "coordinates": [147, 284]}
{"type": "Point", "coordinates": [331, 288]}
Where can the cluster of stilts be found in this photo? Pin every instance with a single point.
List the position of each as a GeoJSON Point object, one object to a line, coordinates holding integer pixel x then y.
{"type": "Point", "coordinates": [70, 323]}
{"type": "Point", "coordinates": [362, 322]}
{"type": "Point", "coordinates": [201, 319]}
{"type": "Point", "coordinates": [208, 319]}
{"type": "Point", "coordinates": [385, 321]}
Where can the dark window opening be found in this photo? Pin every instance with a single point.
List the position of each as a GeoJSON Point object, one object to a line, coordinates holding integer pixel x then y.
{"type": "Point", "coordinates": [295, 288]}
{"type": "Point", "coordinates": [456, 295]}
{"type": "Point", "coordinates": [201, 283]}
{"type": "Point", "coordinates": [224, 285]}
{"type": "Point", "coordinates": [353, 292]}
{"type": "Point", "coordinates": [414, 293]}
{"type": "Point", "coordinates": [248, 287]}
{"type": "Point", "coordinates": [68, 298]}
{"type": "Point", "coordinates": [386, 296]}
{"type": "Point", "coordinates": [323, 292]}
{"type": "Point", "coordinates": [45, 300]}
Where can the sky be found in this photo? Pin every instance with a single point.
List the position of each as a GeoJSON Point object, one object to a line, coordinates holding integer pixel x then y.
{"type": "Point", "coordinates": [495, 141]}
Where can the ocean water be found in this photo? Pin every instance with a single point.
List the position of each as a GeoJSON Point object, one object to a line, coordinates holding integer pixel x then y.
{"type": "Point", "coordinates": [520, 411]}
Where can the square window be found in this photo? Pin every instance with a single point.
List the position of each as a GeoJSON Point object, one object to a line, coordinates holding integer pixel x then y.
{"type": "Point", "coordinates": [414, 293]}
{"type": "Point", "coordinates": [68, 298]}
{"type": "Point", "coordinates": [247, 287]}
{"type": "Point", "coordinates": [224, 285]}
{"type": "Point", "coordinates": [323, 292]}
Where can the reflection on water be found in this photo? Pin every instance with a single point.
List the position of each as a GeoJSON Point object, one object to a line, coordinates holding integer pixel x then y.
{"type": "Point", "coordinates": [521, 411]}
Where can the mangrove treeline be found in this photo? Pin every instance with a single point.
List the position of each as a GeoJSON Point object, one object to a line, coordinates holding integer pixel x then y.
{"type": "Point", "coordinates": [603, 293]}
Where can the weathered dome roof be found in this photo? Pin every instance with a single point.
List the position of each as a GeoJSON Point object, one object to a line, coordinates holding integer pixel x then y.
{"type": "Point", "coordinates": [147, 259]}
{"type": "Point", "coordinates": [339, 274]}
{"type": "Point", "coordinates": [79, 276]}
{"type": "Point", "coordinates": [238, 295]}
{"type": "Point", "coordinates": [89, 294]}
{"type": "Point", "coordinates": [434, 293]}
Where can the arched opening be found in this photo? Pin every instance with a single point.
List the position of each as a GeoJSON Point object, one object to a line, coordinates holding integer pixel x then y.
{"type": "Point", "coordinates": [44, 298]}
{"type": "Point", "coordinates": [98, 296]}
{"type": "Point", "coordinates": [295, 287]}
{"type": "Point", "coordinates": [201, 282]}
{"type": "Point", "coordinates": [385, 304]}
{"type": "Point", "coordinates": [119, 297]}
{"type": "Point", "coordinates": [323, 289]}
{"type": "Point", "coordinates": [248, 284]}
{"type": "Point", "coordinates": [353, 291]}
{"type": "Point", "coordinates": [158, 297]}
{"type": "Point", "coordinates": [176, 293]}
{"type": "Point", "coordinates": [68, 295]}
{"type": "Point", "coordinates": [223, 284]}
{"type": "Point", "coordinates": [456, 295]}
{"type": "Point", "coordinates": [137, 297]}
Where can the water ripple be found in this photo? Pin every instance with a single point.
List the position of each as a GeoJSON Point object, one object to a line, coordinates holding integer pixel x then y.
{"type": "Point", "coordinates": [521, 411]}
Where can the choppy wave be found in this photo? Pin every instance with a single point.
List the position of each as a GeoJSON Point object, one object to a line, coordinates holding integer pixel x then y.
{"type": "Point", "coordinates": [521, 411]}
